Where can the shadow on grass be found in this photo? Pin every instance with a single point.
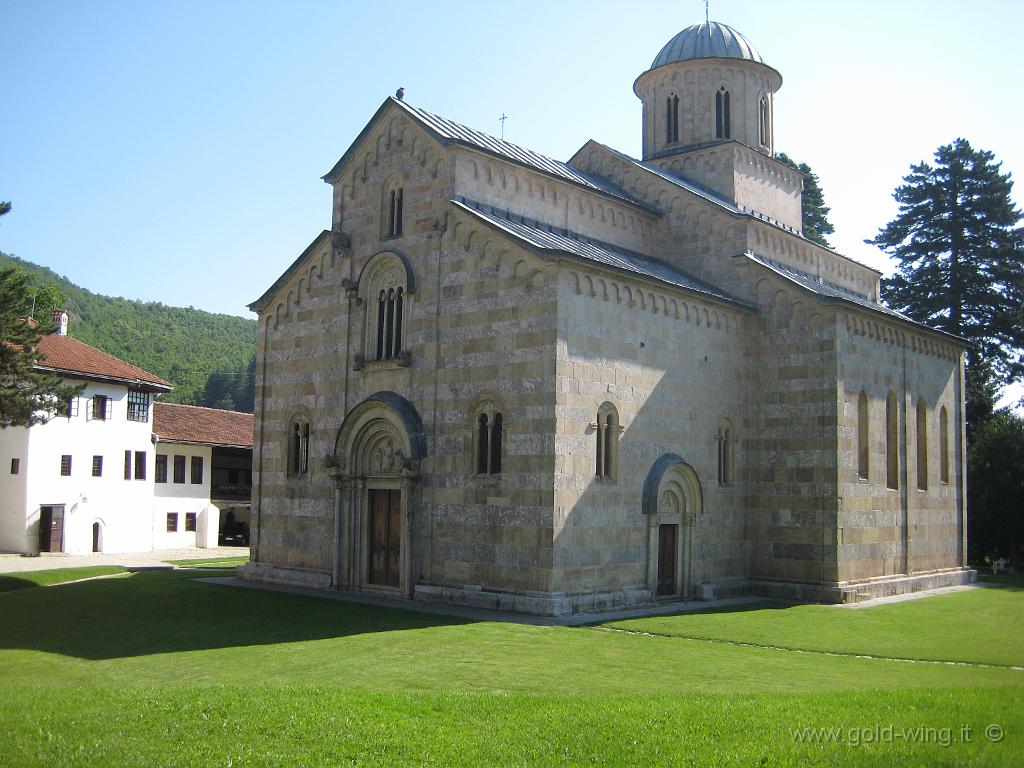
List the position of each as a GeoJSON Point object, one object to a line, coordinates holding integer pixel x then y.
{"type": "Point", "coordinates": [168, 612]}
{"type": "Point", "coordinates": [1012, 583]}
{"type": "Point", "coordinates": [11, 583]}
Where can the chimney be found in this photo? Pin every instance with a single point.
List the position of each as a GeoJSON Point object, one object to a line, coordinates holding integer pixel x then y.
{"type": "Point", "coordinates": [60, 319]}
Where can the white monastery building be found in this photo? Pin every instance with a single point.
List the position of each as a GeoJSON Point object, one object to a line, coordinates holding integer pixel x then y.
{"type": "Point", "coordinates": [508, 381]}
{"type": "Point", "coordinates": [96, 479]}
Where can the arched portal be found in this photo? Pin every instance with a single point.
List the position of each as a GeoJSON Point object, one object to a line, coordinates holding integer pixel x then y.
{"type": "Point", "coordinates": [377, 454]}
{"type": "Point", "coordinates": [672, 501]}
{"type": "Point", "coordinates": [97, 537]}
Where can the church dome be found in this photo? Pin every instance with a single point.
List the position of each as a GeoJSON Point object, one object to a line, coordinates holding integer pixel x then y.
{"type": "Point", "coordinates": [707, 40]}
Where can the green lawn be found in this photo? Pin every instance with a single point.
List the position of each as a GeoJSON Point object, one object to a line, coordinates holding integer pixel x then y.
{"type": "Point", "coordinates": [28, 579]}
{"type": "Point", "coordinates": [981, 625]}
{"type": "Point", "coordinates": [219, 562]}
{"type": "Point", "coordinates": [160, 669]}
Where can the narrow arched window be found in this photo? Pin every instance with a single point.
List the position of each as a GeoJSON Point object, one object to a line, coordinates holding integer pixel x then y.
{"type": "Point", "coordinates": [725, 451]}
{"type": "Point", "coordinates": [672, 119]}
{"type": "Point", "coordinates": [389, 326]}
{"type": "Point", "coordinates": [862, 435]}
{"type": "Point", "coordinates": [482, 450]}
{"type": "Point", "coordinates": [390, 313]}
{"type": "Point", "coordinates": [298, 447]}
{"type": "Point", "coordinates": [304, 450]}
{"type": "Point", "coordinates": [393, 212]}
{"type": "Point", "coordinates": [607, 441]}
{"type": "Point", "coordinates": [489, 442]}
{"type": "Point", "coordinates": [892, 461]}
{"type": "Point", "coordinates": [495, 465]}
{"type": "Point", "coordinates": [922, 445]}
{"type": "Point", "coordinates": [944, 445]}
{"type": "Point", "coordinates": [399, 299]}
{"type": "Point", "coordinates": [764, 122]}
{"type": "Point", "coordinates": [722, 127]}
{"type": "Point", "coordinates": [382, 300]}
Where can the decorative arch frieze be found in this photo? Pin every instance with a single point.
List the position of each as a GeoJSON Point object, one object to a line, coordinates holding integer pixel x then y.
{"type": "Point", "coordinates": [383, 435]}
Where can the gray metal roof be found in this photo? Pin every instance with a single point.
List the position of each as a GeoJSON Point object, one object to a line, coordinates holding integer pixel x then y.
{"type": "Point", "coordinates": [451, 131]}
{"type": "Point", "coordinates": [704, 41]}
{"type": "Point", "coordinates": [679, 181]}
{"type": "Point", "coordinates": [549, 238]}
{"type": "Point", "coordinates": [831, 291]}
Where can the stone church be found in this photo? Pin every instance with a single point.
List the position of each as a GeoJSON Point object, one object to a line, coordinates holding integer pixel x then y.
{"type": "Point", "coordinates": [512, 382]}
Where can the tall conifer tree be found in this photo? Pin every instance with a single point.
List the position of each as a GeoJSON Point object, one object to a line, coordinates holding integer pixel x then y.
{"type": "Point", "coordinates": [959, 256]}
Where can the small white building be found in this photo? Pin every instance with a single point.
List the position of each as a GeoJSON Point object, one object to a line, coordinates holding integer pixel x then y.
{"type": "Point", "coordinates": [119, 472]}
{"type": "Point", "coordinates": [83, 482]}
{"type": "Point", "coordinates": [203, 473]}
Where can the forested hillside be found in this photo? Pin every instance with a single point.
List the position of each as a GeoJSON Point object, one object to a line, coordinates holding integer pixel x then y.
{"type": "Point", "coordinates": [210, 358]}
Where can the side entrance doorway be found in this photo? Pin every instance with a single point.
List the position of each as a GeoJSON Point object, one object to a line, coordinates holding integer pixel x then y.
{"type": "Point", "coordinates": [667, 556]}
{"type": "Point", "coordinates": [385, 544]}
{"type": "Point", "coordinates": [51, 528]}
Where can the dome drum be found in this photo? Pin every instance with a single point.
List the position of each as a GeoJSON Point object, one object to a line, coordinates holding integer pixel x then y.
{"type": "Point", "coordinates": [707, 84]}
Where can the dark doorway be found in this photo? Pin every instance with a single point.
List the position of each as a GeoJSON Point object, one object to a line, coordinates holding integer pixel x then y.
{"type": "Point", "coordinates": [96, 537]}
{"type": "Point", "coordinates": [385, 537]}
{"type": "Point", "coordinates": [667, 559]}
{"type": "Point", "coordinates": [51, 528]}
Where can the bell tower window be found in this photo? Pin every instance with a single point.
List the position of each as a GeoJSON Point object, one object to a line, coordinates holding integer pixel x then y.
{"type": "Point", "coordinates": [672, 119]}
{"type": "Point", "coordinates": [722, 124]}
{"type": "Point", "coordinates": [764, 122]}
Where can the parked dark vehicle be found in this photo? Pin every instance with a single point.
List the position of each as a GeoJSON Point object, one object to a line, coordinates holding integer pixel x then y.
{"type": "Point", "coordinates": [234, 534]}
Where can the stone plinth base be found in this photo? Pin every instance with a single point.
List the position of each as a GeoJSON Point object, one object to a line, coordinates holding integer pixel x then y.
{"type": "Point", "coordinates": [295, 577]}
{"type": "Point", "coordinates": [858, 591]}
{"type": "Point", "coordinates": [536, 603]}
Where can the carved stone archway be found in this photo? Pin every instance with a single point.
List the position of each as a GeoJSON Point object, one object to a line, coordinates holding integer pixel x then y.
{"type": "Point", "coordinates": [672, 501]}
{"type": "Point", "coordinates": [377, 453]}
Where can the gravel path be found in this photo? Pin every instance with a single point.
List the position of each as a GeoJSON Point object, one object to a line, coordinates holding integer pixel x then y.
{"type": "Point", "coordinates": [50, 560]}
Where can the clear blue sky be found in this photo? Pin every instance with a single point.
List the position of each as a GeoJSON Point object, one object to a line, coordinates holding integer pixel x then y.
{"type": "Point", "coordinates": [171, 151]}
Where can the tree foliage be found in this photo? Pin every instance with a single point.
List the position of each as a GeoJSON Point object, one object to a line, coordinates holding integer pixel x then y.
{"type": "Point", "coordinates": [995, 525]}
{"type": "Point", "coordinates": [27, 396]}
{"type": "Point", "coordinates": [958, 255]}
{"type": "Point", "coordinates": [185, 346]}
{"type": "Point", "coordinates": [815, 223]}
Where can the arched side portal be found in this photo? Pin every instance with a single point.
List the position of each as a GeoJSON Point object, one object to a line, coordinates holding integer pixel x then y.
{"type": "Point", "coordinates": [375, 465]}
{"type": "Point", "coordinates": [672, 501]}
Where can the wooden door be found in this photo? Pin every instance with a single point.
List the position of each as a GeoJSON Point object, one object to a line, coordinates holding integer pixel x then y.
{"type": "Point", "coordinates": [385, 546]}
{"type": "Point", "coordinates": [667, 559]}
{"type": "Point", "coordinates": [51, 528]}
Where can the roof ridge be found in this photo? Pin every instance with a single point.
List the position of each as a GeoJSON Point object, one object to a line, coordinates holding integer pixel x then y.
{"type": "Point", "coordinates": [203, 408]}
{"type": "Point", "coordinates": [475, 130]}
{"type": "Point", "coordinates": [603, 254]}
{"type": "Point", "coordinates": [464, 135]}
{"type": "Point", "coordinates": [132, 371]}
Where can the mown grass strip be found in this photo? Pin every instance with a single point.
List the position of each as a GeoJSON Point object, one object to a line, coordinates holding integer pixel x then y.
{"type": "Point", "coordinates": [973, 626]}
{"type": "Point", "coordinates": [213, 562]}
{"type": "Point", "coordinates": [166, 628]}
{"type": "Point", "coordinates": [315, 725]}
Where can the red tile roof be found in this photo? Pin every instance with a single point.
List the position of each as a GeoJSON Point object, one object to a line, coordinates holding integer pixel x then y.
{"type": "Point", "coordinates": [67, 355]}
{"type": "Point", "coordinates": [194, 424]}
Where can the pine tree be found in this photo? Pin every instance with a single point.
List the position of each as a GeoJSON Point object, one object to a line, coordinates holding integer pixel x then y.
{"type": "Point", "coordinates": [27, 396]}
{"type": "Point", "coordinates": [815, 223]}
{"type": "Point", "coordinates": [959, 256]}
